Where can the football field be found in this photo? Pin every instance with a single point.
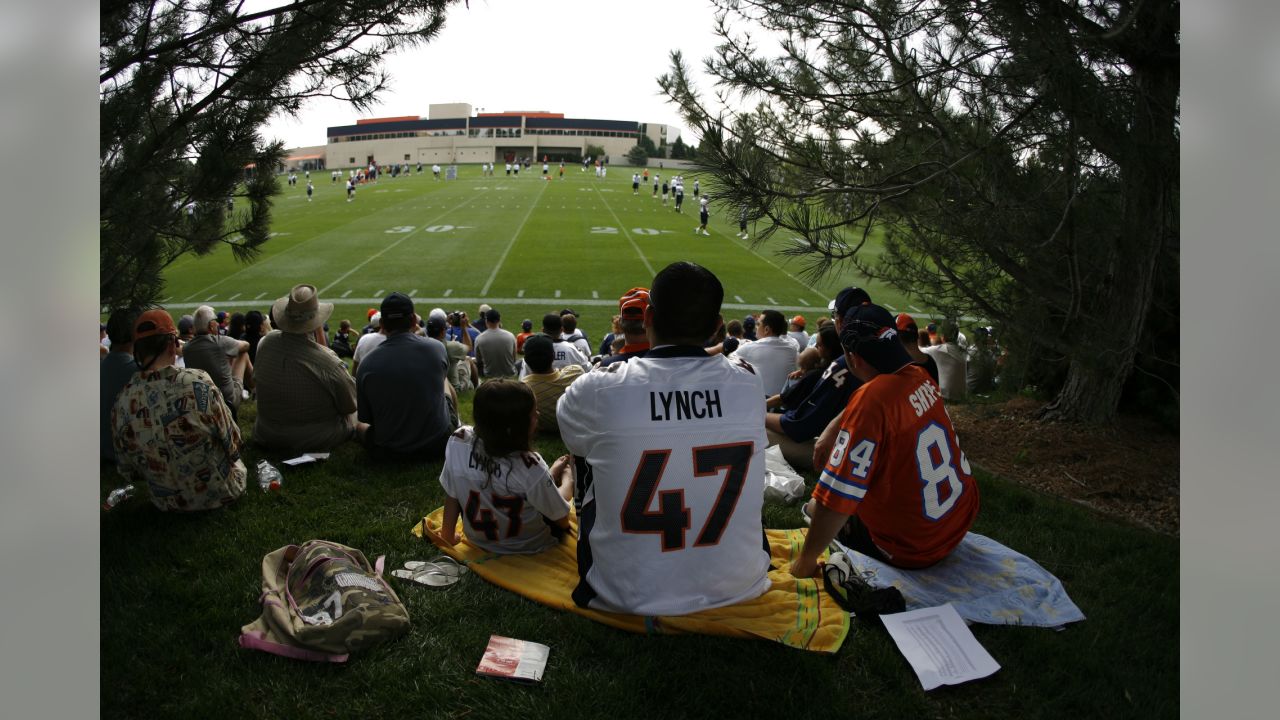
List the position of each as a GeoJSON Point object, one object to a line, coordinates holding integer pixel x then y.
{"type": "Point", "coordinates": [521, 244]}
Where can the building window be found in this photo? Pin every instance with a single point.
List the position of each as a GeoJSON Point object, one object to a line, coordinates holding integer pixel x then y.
{"type": "Point", "coordinates": [351, 161]}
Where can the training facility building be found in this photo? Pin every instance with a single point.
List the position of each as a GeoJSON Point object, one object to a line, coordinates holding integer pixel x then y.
{"type": "Point", "coordinates": [451, 133]}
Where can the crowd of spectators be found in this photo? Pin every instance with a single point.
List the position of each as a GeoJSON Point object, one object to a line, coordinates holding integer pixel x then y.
{"type": "Point", "coordinates": [669, 367]}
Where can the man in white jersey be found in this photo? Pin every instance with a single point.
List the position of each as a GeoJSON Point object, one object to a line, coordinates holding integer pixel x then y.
{"type": "Point", "coordinates": [669, 458]}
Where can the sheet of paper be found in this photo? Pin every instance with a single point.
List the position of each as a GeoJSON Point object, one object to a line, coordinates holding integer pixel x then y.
{"type": "Point", "coordinates": [939, 646]}
{"type": "Point", "coordinates": [300, 460]}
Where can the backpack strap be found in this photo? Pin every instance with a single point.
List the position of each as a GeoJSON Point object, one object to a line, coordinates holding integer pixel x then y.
{"type": "Point", "coordinates": [257, 640]}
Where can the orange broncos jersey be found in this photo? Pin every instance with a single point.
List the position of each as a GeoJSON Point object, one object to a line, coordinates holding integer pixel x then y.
{"type": "Point", "coordinates": [898, 465]}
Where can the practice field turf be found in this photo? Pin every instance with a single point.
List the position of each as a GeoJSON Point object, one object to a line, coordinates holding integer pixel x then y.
{"type": "Point", "coordinates": [521, 244]}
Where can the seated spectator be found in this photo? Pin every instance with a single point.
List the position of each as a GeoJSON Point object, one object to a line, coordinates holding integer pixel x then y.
{"type": "Point", "coordinates": [513, 503]}
{"type": "Point", "coordinates": [733, 338]}
{"type": "Point", "coordinates": [564, 353]}
{"type": "Point", "coordinates": [341, 345]}
{"type": "Point", "coordinates": [369, 328]}
{"type": "Point", "coordinates": [104, 342]}
{"type": "Point", "coordinates": [495, 348]}
{"type": "Point", "coordinates": [114, 372]}
{"type": "Point", "coordinates": [462, 372]}
{"type": "Point", "coordinates": [402, 390]}
{"type": "Point", "coordinates": [526, 330]}
{"type": "Point", "coordinates": [571, 334]}
{"type": "Point", "coordinates": [795, 331]}
{"type": "Point", "coordinates": [547, 383]}
{"type": "Point", "coordinates": [631, 307]}
{"type": "Point", "coordinates": [909, 335]}
{"type": "Point", "coordinates": [576, 332]}
{"type": "Point", "coordinates": [255, 326]}
{"type": "Point", "coordinates": [951, 362]}
{"type": "Point", "coordinates": [813, 363]}
{"type": "Point", "coordinates": [896, 486]}
{"type": "Point", "coordinates": [773, 355]}
{"type": "Point", "coordinates": [796, 429]}
{"type": "Point", "coordinates": [980, 363]}
{"type": "Point", "coordinates": [306, 397]}
{"type": "Point", "coordinates": [461, 330]}
{"type": "Point", "coordinates": [749, 328]}
{"type": "Point", "coordinates": [615, 331]}
{"type": "Point", "coordinates": [171, 428]}
{"type": "Point", "coordinates": [235, 326]}
{"type": "Point", "coordinates": [670, 510]}
{"type": "Point", "coordinates": [479, 323]}
{"type": "Point", "coordinates": [223, 321]}
{"type": "Point", "coordinates": [225, 359]}
{"type": "Point", "coordinates": [367, 342]}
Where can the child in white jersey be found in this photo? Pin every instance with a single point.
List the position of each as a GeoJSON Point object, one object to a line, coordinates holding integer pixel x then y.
{"type": "Point", "coordinates": [509, 501]}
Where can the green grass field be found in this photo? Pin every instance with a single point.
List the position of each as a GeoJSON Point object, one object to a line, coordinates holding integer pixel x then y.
{"type": "Point", "coordinates": [175, 590]}
{"type": "Point", "coordinates": [520, 244]}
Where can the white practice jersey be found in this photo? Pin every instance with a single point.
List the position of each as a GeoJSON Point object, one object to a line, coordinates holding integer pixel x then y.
{"type": "Point", "coordinates": [563, 354]}
{"type": "Point", "coordinates": [670, 482]}
{"type": "Point", "coordinates": [502, 513]}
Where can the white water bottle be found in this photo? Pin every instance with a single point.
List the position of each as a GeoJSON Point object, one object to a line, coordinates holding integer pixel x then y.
{"type": "Point", "coordinates": [269, 478]}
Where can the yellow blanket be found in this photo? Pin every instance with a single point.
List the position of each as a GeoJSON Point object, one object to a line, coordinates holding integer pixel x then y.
{"type": "Point", "coordinates": [793, 612]}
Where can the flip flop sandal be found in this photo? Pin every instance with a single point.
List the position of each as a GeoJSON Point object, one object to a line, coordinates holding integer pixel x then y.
{"type": "Point", "coordinates": [443, 564]}
{"type": "Point", "coordinates": [431, 577]}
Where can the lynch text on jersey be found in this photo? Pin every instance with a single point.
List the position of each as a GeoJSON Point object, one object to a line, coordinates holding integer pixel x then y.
{"type": "Point", "coordinates": [684, 405]}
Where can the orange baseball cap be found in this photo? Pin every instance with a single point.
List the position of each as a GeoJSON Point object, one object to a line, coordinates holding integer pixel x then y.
{"type": "Point", "coordinates": [905, 321]}
{"type": "Point", "coordinates": [633, 302]}
{"type": "Point", "coordinates": [153, 322]}
{"type": "Point", "coordinates": [798, 320]}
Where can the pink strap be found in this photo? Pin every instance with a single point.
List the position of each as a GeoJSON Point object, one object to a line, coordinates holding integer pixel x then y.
{"type": "Point", "coordinates": [379, 564]}
{"type": "Point", "coordinates": [257, 641]}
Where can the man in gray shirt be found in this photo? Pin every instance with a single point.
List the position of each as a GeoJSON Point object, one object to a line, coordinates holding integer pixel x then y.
{"type": "Point", "coordinates": [225, 359]}
{"type": "Point", "coordinates": [495, 348]}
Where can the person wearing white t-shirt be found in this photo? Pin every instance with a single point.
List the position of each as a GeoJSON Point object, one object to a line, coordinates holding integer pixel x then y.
{"type": "Point", "coordinates": [367, 342]}
{"type": "Point", "coordinates": [773, 354]}
{"type": "Point", "coordinates": [952, 363]}
{"type": "Point", "coordinates": [669, 459]}
{"type": "Point", "coordinates": [510, 503]}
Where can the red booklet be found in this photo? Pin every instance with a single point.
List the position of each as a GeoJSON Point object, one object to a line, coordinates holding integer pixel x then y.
{"type": "Point", "coordinates": [512, 659]}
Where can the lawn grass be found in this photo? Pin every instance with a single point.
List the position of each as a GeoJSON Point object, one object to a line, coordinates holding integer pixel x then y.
{"type": "Point", "coordinates": [175, 591]}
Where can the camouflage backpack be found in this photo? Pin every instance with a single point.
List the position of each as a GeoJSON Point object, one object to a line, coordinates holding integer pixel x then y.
{"type": "Point", "coordinates": [320, 601]}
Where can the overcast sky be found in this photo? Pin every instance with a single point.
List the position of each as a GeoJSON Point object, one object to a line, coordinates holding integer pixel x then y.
{"type": "Point", "coordinates": [584, 58]}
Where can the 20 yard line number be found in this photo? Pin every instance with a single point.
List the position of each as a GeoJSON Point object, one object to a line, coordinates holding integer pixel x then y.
{"type": "Point", "coordinates": [606, 230]}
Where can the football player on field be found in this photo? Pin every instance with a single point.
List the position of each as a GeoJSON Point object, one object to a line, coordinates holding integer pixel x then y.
{"type": "Point", "coordinates": [669, 453]}
{"type": "Point", "coordinates": [896, 486]}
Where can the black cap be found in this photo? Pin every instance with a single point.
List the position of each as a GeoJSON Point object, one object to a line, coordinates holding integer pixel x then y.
{"type": "Point", "coordinates": [527, 324]}
{"type": "Point", "coordinates": [435, 325]}
{"type": "Point", "coordinates": [538, 352]}
{"type": "Point", "coordinates": [396, 306]}
{"type": "Point", "coordinates": [493, 316]}
{"type": "Point", "coordinates": [871, 332]}
{"type": "Point", "coordinates": [850, 298]}
{"type": "Point", "coordinates": [568, 311]}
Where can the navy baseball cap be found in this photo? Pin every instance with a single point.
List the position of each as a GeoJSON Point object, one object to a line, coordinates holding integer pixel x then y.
{"type": "Point", "coordinates": [871, 332]}
{"type": "Point", "coordinates": [847, 299]}
{"type": "Point", "coordinates": [396, 305]}
{"type": "Point", "coordinates": [527, 325]}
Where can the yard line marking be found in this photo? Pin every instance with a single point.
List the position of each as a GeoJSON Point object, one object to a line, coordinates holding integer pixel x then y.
{"type": "Point", "coordinates": [631, 240]}
{"type": "Point", "coordinates": [913, 307]}
{"type": "Point", "coordinates": [557, 293]}
{"type": "Point", "coordinates": [498, 266]}
{"type": "Point", "coordinates": [379, 293]}
{"type": "Point", "coordinates": [346, 293]}
{"type": "Point", "coordinates": [594, 294]}
{"type": "Point", "coordinates": [777, 267]}
{"type": "Point", "coordinates": [233, 297]}
{"type": "Point", "coordinates": [413, 292]}
{"type": "Point", "coordinates": [890, 308]}
{"type": "Point", "coordinates": [806, 302]}
{"type": "Point", "coordinates": [404, 237]}
{"type": "Point", "coordinates": [448, 292]}
{"type": "Point", "coordinates": [520, 293]}
{"type": "Point", "coordinates": [210, 298]}
{"type": "Point", "coordinates": [738, 298]}
{"type": "Point", "coordinates": [771, 301]}
{"type": "Point", "coordinates": [259, 296]}
{"type": "Point", "coordinates": [189, 297]}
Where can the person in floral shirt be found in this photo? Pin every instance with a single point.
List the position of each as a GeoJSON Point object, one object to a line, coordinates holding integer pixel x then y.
{"type": "Point", "coordinates": [172, 429]}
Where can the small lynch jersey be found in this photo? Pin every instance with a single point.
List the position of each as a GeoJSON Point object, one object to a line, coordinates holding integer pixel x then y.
{"type": "Point", "coordinates": [502, 510]}
{"type": "Point", "coordinates": [670, 450]}
{"type": "Point", "coordinates": [897, 463]}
